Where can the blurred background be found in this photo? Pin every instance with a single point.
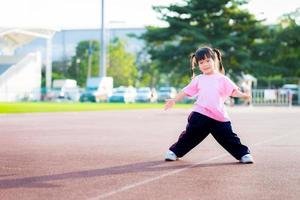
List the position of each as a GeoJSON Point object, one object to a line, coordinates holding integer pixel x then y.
{"type": "Point", "coordinates": [138, 50]}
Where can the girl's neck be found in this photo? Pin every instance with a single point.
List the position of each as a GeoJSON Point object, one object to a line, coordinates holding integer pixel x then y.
{"type": "Point", "coordinates": [212, 73]}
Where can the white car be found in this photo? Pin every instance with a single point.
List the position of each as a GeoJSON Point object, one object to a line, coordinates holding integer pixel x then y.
{"type": "Point", "coordinates": [123, 94]}
{"type": "Point", "coordinates": [146, 94]}
{"type": "Point", "coordinates": [293, 88]}
{"type": "Point", "coordinates": [166, 93]}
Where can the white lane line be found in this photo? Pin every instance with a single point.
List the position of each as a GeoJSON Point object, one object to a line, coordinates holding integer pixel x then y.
{"type": "Point", "coordinates": [11, 168]}
{"type": "Point", "coordinates": [128, 187]}
{"type": "Point", "coordinates": [274, 138]}
{"type": "Point", "coordinates": [154, 178]}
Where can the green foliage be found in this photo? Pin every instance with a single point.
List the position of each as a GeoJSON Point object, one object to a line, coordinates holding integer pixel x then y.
{"type": "Point", "coordinates": [247, 45]}
{"type": "Point", "coordinates": [79, 67]}
{"type": "Point", "coordinates": [122, 66]}
{"type": "Point", "coordinates": [221, 24]}
{"type": "Point", "coordinates": [149, 75]}
{"type": "Point", "coordinates": [277, 55]}
{"type": "Point", "coordinates": [288, 45]}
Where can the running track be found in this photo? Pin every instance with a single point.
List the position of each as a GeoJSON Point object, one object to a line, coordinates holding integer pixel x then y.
{"type": "Point", "coordinates": [119, 155]}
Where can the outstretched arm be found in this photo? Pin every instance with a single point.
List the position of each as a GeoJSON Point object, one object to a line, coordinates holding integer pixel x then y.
{"type": "Point", "coordinates": [171, 102]}
{"type": "Point", "coordinates": [237, 93]}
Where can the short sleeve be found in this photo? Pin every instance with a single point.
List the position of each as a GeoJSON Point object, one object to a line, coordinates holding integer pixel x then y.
{"type": "Point", "coordinates": [192, 88]}
{"type": "Point", "coordinates": [229, 86]}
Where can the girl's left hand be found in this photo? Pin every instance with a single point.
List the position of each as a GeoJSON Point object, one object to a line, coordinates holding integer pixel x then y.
{"type": "Point", "coordinates": [247, 96]}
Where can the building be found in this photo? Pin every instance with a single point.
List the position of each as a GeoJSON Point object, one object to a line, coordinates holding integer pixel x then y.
{"type": "Point", "coordinates": [23, 52]}
{"type": "Point", "coordinates": [64, 42]}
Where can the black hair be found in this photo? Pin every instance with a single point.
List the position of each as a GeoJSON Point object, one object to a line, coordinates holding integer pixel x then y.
{"type": "Point", "coordinates": [206, 52]}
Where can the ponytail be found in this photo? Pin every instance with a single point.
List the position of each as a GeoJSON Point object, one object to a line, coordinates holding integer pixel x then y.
{"type": "Point", "coordinates": [219, 56]}
{"type": "Point", "coordinates": [193, 63]}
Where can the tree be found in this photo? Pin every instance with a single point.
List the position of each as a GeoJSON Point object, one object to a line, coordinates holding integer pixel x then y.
{"type": "Point", "coordinates": [79, 67]}
{"type": "Point", "coordinates": [288, 45]}
{"type": "Point", "coordinates": [277, 55]}
{"type": "Point", "coordinates": [121, 65]}
{"type": "Point", "coordinates": [218, 23]}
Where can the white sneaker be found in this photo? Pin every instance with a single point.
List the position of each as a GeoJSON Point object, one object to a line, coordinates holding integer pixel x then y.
{"type": "Point", "coordinates": [170, 156]}
{"type": "Point", "coordinates": [247, 159]}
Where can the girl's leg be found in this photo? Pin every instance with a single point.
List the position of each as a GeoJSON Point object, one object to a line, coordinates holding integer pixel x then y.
{"type": "Point", "coordinates": [224, 135]}
{"type": "Point", "coordinates": [196, 131]}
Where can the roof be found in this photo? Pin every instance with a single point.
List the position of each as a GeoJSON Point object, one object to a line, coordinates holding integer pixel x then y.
{"type": "Point", "coordinates": [12, 38]}
{"type": "Point", "coordinates": [4, 67]}
{"type": "Point", "coordinates": [249, 77]}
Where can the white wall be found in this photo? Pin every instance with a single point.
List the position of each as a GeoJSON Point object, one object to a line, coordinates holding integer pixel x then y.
{"type": "Point", "coordinates": [22, 81]}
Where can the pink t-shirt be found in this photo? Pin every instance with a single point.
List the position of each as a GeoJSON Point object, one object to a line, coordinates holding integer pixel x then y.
{"type": "Point", "coordinates": [211, 92]}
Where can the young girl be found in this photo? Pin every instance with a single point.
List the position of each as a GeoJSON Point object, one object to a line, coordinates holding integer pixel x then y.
{"type": "Point", "coordinates": [209, 114]}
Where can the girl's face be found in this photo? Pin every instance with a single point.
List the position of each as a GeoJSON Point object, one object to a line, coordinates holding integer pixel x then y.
{"type": "Point", "coordinates": [207, 66]}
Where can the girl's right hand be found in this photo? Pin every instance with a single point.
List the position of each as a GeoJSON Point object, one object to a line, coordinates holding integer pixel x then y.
{"type": "Point", "coordinates": [169, 103]}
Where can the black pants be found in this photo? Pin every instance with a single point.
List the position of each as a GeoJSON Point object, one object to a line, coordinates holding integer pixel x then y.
{"type": "Point", "coordinates": [199, 127]}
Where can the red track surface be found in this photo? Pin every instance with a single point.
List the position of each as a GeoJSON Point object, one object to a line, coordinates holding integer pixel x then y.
{"type": "Point", "coordinates": [119, 155]}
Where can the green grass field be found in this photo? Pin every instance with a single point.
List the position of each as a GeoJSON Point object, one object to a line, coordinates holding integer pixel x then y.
{"type": "Point", "coordinates": [29, 107]}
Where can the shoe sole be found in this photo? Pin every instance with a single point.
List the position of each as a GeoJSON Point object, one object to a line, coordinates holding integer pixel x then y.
{"type": "Point", "coordinates": [167, 159]}
{"type": "Point", "coordinates": [247, 162]}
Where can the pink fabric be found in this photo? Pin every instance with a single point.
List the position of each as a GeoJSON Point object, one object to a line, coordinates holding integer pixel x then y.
{"type": "Point", "coordinates": [211, 92]}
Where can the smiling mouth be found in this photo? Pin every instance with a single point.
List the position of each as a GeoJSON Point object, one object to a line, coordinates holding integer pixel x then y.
{"type": "Point", "coordinates": [207, 68]}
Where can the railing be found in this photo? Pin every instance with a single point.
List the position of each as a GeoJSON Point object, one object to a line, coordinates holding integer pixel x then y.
{"type": "Point", "coordinates": [271, 97]}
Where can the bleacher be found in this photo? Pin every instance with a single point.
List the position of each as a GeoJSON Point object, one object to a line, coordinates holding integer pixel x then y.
{"type": "Point", "coordinates": [20, 75]}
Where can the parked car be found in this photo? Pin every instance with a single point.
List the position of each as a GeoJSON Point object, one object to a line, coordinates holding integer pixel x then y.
{"type": "Point", "coordinates": [97, 89]}
{"type": "Point", "coordinates": [290, 89]}
{"type": "Point", "coordinates": [89, 95]}
{"type": "Point", "coordinates": [146, 94]}
{"type": "Point", "coordinates": [189, 100]}
{"type": "Point", "coordinates": [166, 93]}
{"type": "Point", "coordinates": [65, 90]}
{"type": "Point", "coordinates": [293, 88]}
{"type": "Point", "coordinates": [123, 94]}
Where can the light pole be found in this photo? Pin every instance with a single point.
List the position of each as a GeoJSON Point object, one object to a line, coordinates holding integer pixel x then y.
{"type": "Point", "coordinates": [102, 63]}
{"type": "Point", "coordinates": [90, 53]}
